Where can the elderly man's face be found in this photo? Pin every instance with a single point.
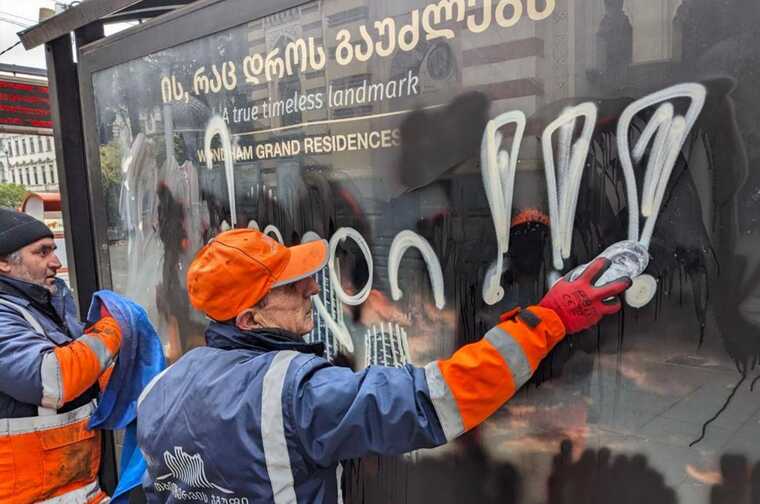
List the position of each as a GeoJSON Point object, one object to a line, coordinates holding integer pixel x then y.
{"type": "Point", "coordinates": [287, 307]}
{"type": "Point", "coordinates": [37, 263]}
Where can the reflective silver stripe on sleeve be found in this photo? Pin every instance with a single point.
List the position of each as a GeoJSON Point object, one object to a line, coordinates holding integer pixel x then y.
{"type": "Point", "coordinates": [52, 386]}
{"type": "Point", "coordinates": [512, 353]}
{"type": "Point", "coordinates": [97, 346]}
{"type": "Point", "coordinates": [150, 385]}
{"type": "Point", "coordinates": [273, 430]}
{"type": "Point", "coordinates": [50, 373]}
{"type": "Point", "coordinates": [443, 401]}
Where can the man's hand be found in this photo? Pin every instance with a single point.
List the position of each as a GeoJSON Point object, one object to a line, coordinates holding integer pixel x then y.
{"type": "Point", "coordinates": [580, 304]}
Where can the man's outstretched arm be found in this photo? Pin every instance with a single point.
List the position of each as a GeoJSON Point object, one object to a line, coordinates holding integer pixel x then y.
{"type": "Point", "coordinates": [339, 414]}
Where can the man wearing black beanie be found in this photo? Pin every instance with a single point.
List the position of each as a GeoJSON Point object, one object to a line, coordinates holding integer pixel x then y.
{"type": "Point", "coordinates": [50, 365]}
{"type": "Point", "coordinates": [17, 230]}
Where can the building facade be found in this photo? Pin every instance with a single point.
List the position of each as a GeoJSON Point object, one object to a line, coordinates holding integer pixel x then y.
{"type": "Point", "coordinates": [29, 160]}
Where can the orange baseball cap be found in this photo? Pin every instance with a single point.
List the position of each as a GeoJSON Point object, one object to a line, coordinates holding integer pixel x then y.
{"type": "Point", "coordinates": [237, 268]}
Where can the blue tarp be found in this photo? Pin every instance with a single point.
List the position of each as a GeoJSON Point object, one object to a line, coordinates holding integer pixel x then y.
{"type": "Point", "coordinates": [140, 359]}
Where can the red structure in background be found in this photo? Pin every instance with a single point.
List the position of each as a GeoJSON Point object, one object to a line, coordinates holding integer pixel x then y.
{"type": "Point", "coordinates": [47, 202]}
{"type": "Point", "coordinates": [24, 104]}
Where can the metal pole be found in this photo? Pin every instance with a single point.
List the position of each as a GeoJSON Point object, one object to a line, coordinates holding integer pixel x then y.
{"type": "Point", "coordinates": [65, 111]}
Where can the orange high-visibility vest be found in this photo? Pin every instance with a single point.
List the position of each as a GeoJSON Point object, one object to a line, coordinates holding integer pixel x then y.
{"type": "Point", "coordinates": [51, 458]}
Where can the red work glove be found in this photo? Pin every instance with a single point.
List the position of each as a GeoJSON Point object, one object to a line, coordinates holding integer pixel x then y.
{"type": "Point", "coordinates": [580, 304]}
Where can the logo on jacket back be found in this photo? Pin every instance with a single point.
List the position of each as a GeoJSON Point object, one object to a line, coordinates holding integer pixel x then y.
{"type": "Point", "coordinates": [189, 469]}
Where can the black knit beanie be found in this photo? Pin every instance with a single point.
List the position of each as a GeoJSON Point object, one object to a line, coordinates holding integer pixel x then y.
{"type": "Point", "coordinates": [18, 230]}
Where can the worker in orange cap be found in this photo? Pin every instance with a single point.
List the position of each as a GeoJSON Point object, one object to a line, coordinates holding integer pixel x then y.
{"type": "Point", "coordinates": [49, 371]}
{"type": "Point", "coordinates": [260, 416]}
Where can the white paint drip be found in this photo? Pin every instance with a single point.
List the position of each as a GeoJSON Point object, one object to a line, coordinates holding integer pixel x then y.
{"type": "Point", "coordinates": [339, 330]}
{"type": "Point", "coordinates": [498, 168]}
{"type": "Point", "coordinates": [401, 243]}
{"type": "Point", "coordinates": [563, 184]}
{"type": "Point", "coordinates": [217, 126]}
{"type": "Point", "coordinates": [272, 230]}
{"type": "Point", "coordinates": [336, 327]}
{"type": "Point", "coordinates": [379, 339]}
{"type": "Point", "coordinates": [341, 235]}
{"type": "Point", "coordinates": [405, 345]}
{"type": "Point", "coordinates": [139, 207]}
{"type": "Point", "coordinates": [670, 132]}
{"type": "Point", "coordinates": [310, 236]}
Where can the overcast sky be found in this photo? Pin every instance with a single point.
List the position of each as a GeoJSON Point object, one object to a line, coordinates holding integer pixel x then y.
{"type": "Point", "coordinates": [14, 16]}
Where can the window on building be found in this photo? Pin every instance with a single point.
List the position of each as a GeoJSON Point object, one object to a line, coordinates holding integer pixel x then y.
{"type": "Point", "coordinates": [33, 145]}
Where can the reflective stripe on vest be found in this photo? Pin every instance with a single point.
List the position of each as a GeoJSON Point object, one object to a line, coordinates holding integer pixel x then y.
{"type": "Point", "coordinates": [49, 454]}
{"type": "Point", "coordinates": [152, 383]}
{"type": "Point", "coordinates": [14, 426]}
{"type": "Point", "coordinates": [273, 430]}
{"type": "Point", "coordinates": [89, 494]}
{"type": "Point", "coordinates": [26, 314]}
{"type": "Point", "coordinates": [32, 321]}
{"type": "Point", "coordinates": [50, 457]}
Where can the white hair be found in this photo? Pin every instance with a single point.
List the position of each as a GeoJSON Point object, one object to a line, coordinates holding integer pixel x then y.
{"type": "Point", "coordinates": [12, 258]}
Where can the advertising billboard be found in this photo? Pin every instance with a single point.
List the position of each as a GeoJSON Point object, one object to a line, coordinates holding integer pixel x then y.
{"type": "Point", "coordinates": [460, 156]}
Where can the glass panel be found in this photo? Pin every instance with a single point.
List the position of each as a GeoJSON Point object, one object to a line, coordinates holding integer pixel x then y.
{"type": "Point", "coordinates": [640, 121]}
